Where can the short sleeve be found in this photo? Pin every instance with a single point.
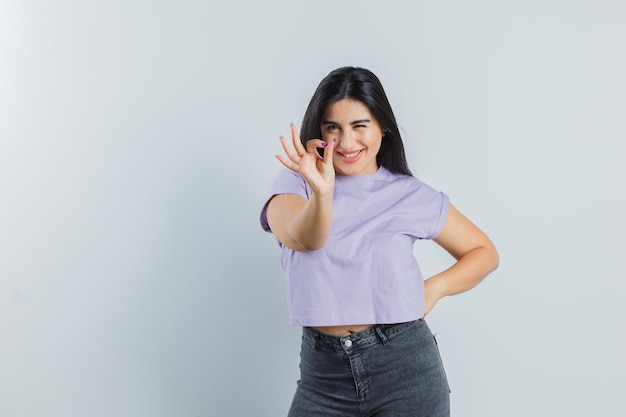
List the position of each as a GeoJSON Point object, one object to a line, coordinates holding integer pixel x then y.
{"type": "Point", "coordinates": [286, 182]}
{"type": "Point", "coordinates": [443, 203]}
{"type": "Point", "coordinates": [432, 213]}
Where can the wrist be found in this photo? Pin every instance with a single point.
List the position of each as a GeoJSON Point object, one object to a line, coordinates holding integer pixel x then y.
{"type": "Point", "coordinates": [325, 192]}
{"type": "Point", "coordinates": [436, 286]}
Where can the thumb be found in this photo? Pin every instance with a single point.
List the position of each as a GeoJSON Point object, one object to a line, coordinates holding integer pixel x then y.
{"type": "Point", "coordinates": [328, 152]}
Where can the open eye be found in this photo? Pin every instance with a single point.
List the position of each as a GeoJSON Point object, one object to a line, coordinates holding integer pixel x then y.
{"type": "Point", "coordinates": [331, 126]}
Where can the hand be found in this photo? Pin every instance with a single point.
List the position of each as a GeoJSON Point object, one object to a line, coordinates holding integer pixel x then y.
{"type": "Point", "coordinates": [433, 293]}
{"type": "Point", "coordinates": [318, 172]}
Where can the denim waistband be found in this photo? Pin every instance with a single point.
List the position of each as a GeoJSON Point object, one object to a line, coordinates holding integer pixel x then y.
{"type": "Point", "coordinates": [377, 334]}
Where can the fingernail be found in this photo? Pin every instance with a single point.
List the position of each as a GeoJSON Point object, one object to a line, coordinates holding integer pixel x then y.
{"type": "Point", "coordinates": [324, 144]}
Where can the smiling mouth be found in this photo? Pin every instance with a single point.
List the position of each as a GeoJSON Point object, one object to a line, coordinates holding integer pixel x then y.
{"type": "Point", "coordinates": [350, 155]}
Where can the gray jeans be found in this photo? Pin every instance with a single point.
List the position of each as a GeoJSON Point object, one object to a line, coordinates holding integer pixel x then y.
{"type": "Point", "coordinates": [385, 371]}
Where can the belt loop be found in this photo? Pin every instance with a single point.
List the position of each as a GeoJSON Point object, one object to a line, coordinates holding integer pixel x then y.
{"type": "Point", "coordinates": [316, 337]}
{"type": "Point", "coordinates": [382, 336]}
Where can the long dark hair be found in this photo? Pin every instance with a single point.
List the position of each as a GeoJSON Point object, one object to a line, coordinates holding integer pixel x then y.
{"type": "Point", "coordinates": [362, 85]}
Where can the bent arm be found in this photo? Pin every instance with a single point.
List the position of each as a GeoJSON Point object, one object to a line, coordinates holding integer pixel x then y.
{"type": "Point", "coordinates": [475, 255]}
{"type": "Point", "coordinates": [301, 224]}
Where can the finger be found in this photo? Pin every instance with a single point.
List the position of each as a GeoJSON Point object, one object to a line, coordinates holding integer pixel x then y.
{"type": "Point", "coordinates": [295, 137]}
{"type": "Point", "coordinates": [290, 153]}
{"type": "Point", "coordinates": [287, 163]}
{"type": "Point", "coordinates": [328, 152]}
{"type": "Point", "coordinates": [313, 144]}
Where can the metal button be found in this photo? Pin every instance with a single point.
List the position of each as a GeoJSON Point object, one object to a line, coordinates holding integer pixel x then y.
{"type": "Point", "coordinates": [348, 343]}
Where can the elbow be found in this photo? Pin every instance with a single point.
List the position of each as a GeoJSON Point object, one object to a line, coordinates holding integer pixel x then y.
{"type": "Point", "coordinates": [314, 245]}
{"type": "Point", "coordinates": [486, 258]}
{"type": "Point", "coordinates": [307, 241]}
{"type": "Point", "coordinates": [493, 258]}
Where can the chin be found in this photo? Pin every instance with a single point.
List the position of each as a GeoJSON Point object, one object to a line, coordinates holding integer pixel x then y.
{"type": "Point", "coordinates": [348, 171]}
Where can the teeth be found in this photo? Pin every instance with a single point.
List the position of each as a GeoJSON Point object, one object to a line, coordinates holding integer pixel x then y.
{"type": "Point", "coordinates": [350, 155]}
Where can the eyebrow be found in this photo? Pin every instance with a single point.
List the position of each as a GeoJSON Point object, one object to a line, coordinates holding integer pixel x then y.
{"type": "Point", "coordinates": [356, 122]}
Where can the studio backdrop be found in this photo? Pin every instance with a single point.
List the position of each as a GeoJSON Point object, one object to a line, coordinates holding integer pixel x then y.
{"type": "Point", "coordinates": [137, 143]}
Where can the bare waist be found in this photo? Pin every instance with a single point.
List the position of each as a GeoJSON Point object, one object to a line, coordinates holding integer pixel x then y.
{"type": "Point", "coordinates": [340, 331]}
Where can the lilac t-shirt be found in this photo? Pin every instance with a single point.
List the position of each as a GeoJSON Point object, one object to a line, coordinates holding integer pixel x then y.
{"type": "Point", "coordinates": [367, 272]}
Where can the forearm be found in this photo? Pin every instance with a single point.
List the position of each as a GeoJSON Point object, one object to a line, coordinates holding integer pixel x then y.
{"type": "Point", "coordinates": [310, 228]}
{"type": "Point", "coordinates": [468, 271]}
{"type": "Point", "coordinates": [298, 223]}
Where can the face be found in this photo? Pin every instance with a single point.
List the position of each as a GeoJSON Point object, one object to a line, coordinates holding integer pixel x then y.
{"type": "Point", "coordinates": [358, 134]}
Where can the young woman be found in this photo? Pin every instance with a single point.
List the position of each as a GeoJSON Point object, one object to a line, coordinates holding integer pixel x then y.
{"type": "Point", "coordinates": [346, 213]}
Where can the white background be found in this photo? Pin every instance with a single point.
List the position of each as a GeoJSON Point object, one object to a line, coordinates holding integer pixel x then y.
{"type": "Point", "coordinates": [137, 142]}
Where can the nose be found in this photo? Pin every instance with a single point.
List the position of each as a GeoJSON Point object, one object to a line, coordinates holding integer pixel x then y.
{"type": "Point", "coordinates": [345, 141]}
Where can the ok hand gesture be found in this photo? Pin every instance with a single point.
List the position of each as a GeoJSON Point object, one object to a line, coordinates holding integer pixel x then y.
{"type": "Point", "coordinates": [318, 172]}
